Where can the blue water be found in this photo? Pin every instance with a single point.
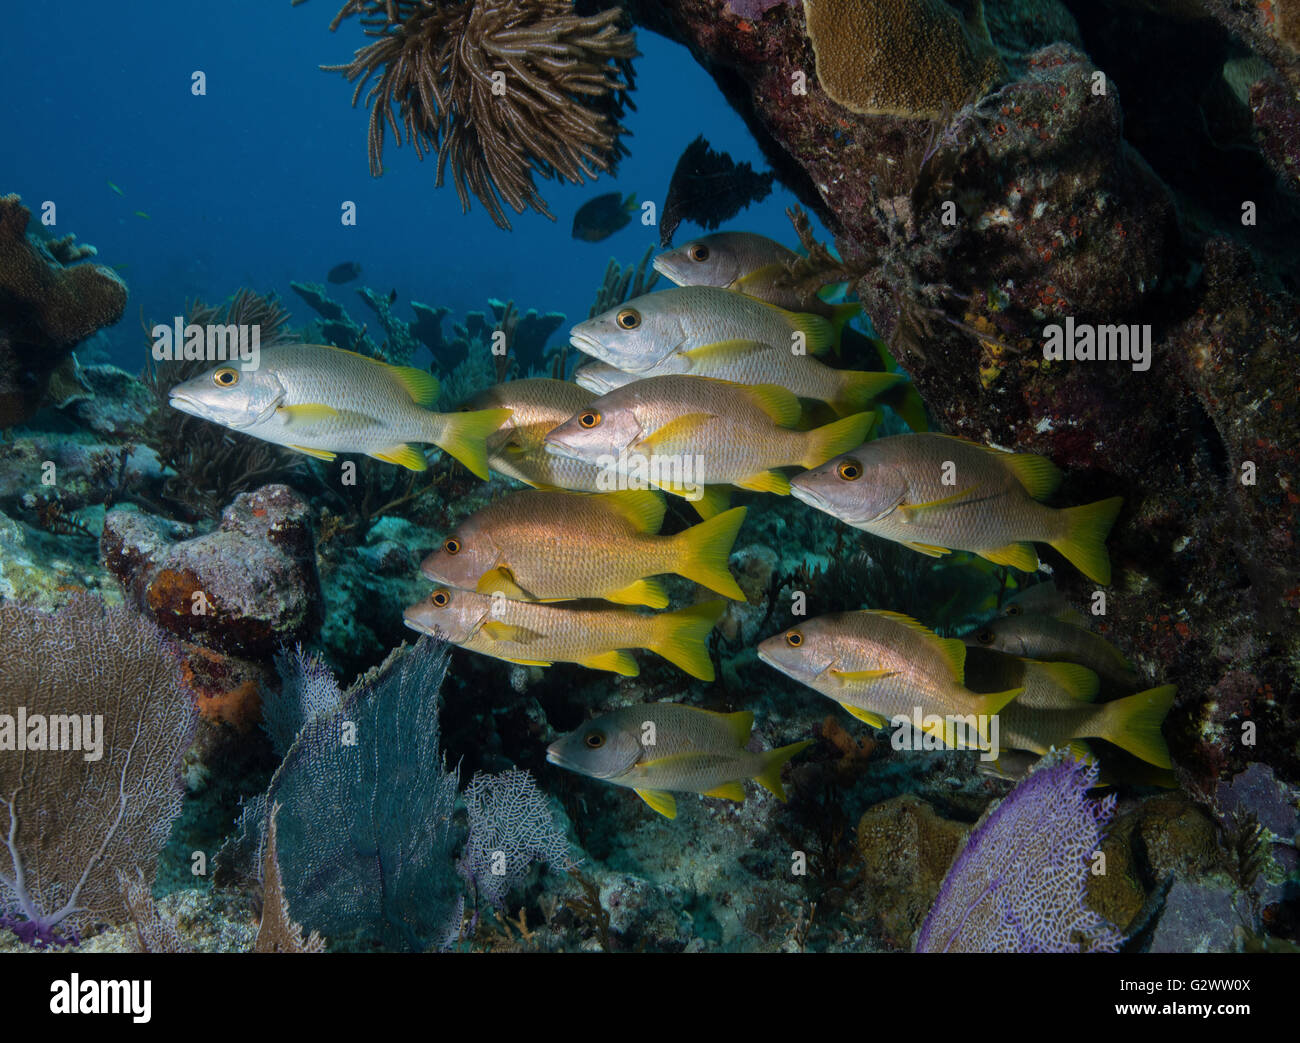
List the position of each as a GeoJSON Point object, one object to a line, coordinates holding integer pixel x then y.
{"type": "Point", "coordinates": [243, 186]}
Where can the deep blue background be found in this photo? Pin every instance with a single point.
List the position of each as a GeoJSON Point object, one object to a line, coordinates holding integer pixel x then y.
{"type": "Point", "coordinates": [243, 186]}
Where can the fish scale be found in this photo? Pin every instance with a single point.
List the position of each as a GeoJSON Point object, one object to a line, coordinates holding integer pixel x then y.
{"type": "Point", "coordinates": [375, 410]}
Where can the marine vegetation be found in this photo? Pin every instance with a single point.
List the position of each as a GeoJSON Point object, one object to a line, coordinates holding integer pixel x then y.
{"type": "Point", "coordinates": [499, 90]}
{"type": "Point", "coordinates": [94, 721]}
{"type": "Point", "coordinates": [1019, 883]}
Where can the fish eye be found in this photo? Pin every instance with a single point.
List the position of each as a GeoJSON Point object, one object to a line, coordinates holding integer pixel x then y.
{"type": "Point", "coordinates": [793, 638]}
{"type": "Point", "coordinates": [985, 637]}
{"type": "Point", "coordinates": [1014, 610]}
{"type": "Point", "coordinates": [440, 598]}
{"type": "Point", "coordinates": [225, 377]}
{"type": "Point", "coordinates": [698, 252]}
{"type": "Point", "coordinates": [849, 470]}
{"type": "Point", "coordinates": [589, 419]}
{"type": "Point", "coordinates": [629, 319]}
{"type": "Point", "coordinates": [595, 740]}
{"type": "Point", "coordinates": [451, 545]}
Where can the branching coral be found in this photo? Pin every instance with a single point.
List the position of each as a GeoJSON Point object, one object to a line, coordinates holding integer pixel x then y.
{"type": "Point", "coordinates": [905, 58]}
{"type": "Point", "coordinates": [96, 698]}
{"type": "Point", "coordinates": [622, 283]}
{"type": "Point", "coordinates": [499, 90]}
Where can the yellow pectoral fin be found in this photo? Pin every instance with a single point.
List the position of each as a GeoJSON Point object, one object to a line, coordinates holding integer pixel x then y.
{"type": "Point", "coordinates": [727, 791]}
{"type": "Point", "coordinates": [501, 581]}
{"type": "Point", "coordinates": [1020, 556]}
{"type": "Point", "coordinates": [913, 510]}
{"type": "Point", "coordinates": [759, 277]}
{"type": "Point", "coordinates": [306, 413]}
{"type": "Point", "coordinates": [927, 548]}
{"type": "Point", "coordinates": [408, 456]}
{"type": "Point", "coordinates": [683, 427]}
{"type": "Point", "coordinates": [845, 677]}
{"type": "Point", "coordinates": [873, 719]}
{"type": "Point", "coordinates": [499, 631]}
{"type": "Point", "coordinates": [723, 350]}
{"type": "Point", "coordinates": [320, 454]}
{"type": "Point", "coordinates": [661, 800]}
{"type": "Point", "coordinates": [617, 662]}
{"type": "Point", "coordinates": [767, 482]}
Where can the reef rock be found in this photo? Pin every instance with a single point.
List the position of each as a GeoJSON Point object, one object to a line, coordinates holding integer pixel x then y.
{"type": "Point", "coordinates": [246, 588]}
{"type": "Point", "coordinates": [48, 305]}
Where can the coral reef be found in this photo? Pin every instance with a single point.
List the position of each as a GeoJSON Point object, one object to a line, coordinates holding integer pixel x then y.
{"type": "Point", "coordinates": [497, 90]}
{"type": "Point", "coordinates": [84, 795]}
{"type": "Point", "coordinates": [906, 58]}
{"type": "Point", "coordinates": [246, 588]}
{"type": "Point", "coordinates": [48, 305]}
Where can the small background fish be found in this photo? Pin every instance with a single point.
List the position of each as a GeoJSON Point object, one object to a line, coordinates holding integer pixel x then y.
{"type": "Point", "coordinates": [601, 217]}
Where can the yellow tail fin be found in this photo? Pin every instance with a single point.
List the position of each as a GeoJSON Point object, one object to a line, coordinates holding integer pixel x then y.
{"type": "Point", "coordinates": [1084, 542]}
{"type": "Point", "coordinates": [991, 705]}
{"type": "Point", "coordinates": [1133, 724]}
{"type": "Point", "coordinates": [713, 501]}
{"type": "Point", "coordinates": [836, 438]}
{"type": "Point", "coordinates": [464, 436]}
{"type": "Point", "coordinates": [701, 553]}
{"type": "Point", "coordinates": [773, 761]}
{"type": "Point", "coordinates": [682, 637]}
{"type": "Point", "coordinates": [858, 390]}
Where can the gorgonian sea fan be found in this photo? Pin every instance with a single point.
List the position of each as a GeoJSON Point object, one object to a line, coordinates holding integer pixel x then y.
{"type": "Point", "coordinates": [499, 90]}
{"type": "Point", "coordinates": [1019, 885]}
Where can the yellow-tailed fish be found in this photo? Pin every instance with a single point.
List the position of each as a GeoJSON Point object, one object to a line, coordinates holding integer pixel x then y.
{"type": "Point", "coordinates": [751, 362]}
{"type": "Point", "coordinates": [538, 545]}
{"type": "Point", "coordinates": [935, 494]}
{"type": "Point", "coordinates": [1034, 636]}
{"type": "Point", "coordinates": [641, 333]}
{"type": "Point", "coordinates": [1058, 707]}
{"type": "Point", "coordinates": [882, 665]}
{"type": "Point", "coordinates": [539, 635]}
{"type": "Point", "coordinates": [681, 433]}
{"type": "Point", "coordinates": [516, 449]}
{"type": "Point", "coordinates": [746, 263]}
{"type": "Point", "coordinates": [321, 401]}
{"type": "Point", "coordinates": [660, 748]}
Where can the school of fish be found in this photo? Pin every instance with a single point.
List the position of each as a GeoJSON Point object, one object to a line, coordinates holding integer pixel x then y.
{"type": "Point", "coordinates": [715, 384]}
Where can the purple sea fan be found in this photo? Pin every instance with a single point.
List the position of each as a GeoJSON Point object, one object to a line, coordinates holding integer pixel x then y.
{"type": "Point", "coordinates": [1019, 884]}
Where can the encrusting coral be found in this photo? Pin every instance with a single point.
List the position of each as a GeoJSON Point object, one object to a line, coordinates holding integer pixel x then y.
{"type": "Point", "coordinates": [497, 89]}
{"type": "Point", "coordinates": [48, 305]}
{"type": "Point", "coordinates": [910, 58]}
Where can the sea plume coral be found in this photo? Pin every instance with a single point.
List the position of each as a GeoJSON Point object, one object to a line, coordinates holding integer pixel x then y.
{"type": "Point", "coordinates": [69, 823]}
{"type": "Point", "coordinates": [499, 90]}
{"type": "Point", "coordinates": [1019, 883]}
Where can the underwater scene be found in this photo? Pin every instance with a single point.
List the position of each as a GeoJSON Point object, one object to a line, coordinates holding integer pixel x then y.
{"type": "Point", "coordinates": [618, 476]}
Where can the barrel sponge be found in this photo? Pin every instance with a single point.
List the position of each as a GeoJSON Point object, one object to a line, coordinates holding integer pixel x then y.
{"type": "Point", "coordinates": [908, 58]}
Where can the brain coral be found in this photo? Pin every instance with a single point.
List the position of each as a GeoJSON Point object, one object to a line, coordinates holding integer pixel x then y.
{"type": "Point", "coordinates": [910, 58]}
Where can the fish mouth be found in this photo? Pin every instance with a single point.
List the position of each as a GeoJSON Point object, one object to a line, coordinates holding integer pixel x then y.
{"type": "Point", "coordinates": [186, 404]}
{"type": "Point", "coordinates": [809, 496]}
{"type": "Point", "coordinates": [665, 268]}
{"type": "Point", "coordinates": [588, 345]}
{"type": "Point", "coordinates": [556, 758]}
